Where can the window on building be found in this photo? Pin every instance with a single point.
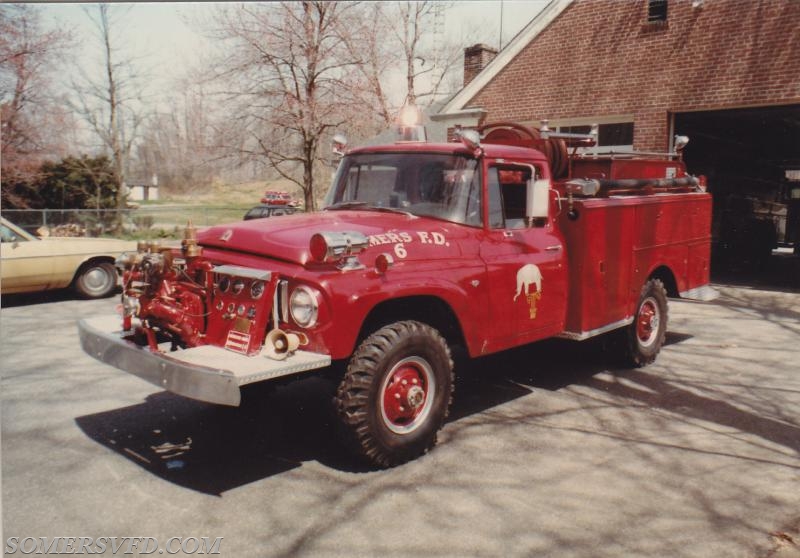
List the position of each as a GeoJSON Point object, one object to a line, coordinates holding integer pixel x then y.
{"type": "Point", "coordinates": [656, 11]}
{"type": "Point", "coordinates": [575, 129]}
{"type": "Point", "coordinates": [616, 136]}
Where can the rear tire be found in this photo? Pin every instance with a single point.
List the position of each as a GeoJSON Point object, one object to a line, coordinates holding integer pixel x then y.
{"type": "Point", "coordinates": [645, 336]}
{"type": "Point", "coordinates": [96, 280]}
{"type": "Point", "coordinates": [396, 393]}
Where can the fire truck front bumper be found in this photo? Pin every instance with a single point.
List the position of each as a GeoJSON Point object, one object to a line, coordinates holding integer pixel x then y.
{"type": "Point", "coordinates": [206, 373]}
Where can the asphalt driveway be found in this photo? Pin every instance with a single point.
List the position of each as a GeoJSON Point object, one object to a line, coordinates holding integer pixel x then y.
{"type": "Point", "coordinates": [550, 451]}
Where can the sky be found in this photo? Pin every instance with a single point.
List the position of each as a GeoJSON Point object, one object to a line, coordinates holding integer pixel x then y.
{"type": "Point", "coordinates": [160, 33]}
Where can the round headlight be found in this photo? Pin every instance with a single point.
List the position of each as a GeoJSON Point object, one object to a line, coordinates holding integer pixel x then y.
{"type": "Point", "coordinates": [304, 306]}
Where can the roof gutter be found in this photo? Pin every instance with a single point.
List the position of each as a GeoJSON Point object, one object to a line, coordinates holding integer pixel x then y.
{"type": "Point", "coordinates": [465, 117]}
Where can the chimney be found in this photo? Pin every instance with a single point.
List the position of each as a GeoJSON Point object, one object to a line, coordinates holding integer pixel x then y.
{"type": "Point", "coordinates": [476, 58]}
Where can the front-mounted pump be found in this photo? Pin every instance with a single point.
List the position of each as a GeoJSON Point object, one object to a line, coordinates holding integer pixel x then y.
{"type": "Point", "coordinates": [181, 298]}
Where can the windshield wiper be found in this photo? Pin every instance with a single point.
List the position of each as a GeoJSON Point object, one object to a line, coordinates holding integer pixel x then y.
{"type": "Point", "coordinates": [347, 205]}
{"type": "Point", "coordinates": [392, 210]}
{"type": "Point", "coordinates": [365, 206]}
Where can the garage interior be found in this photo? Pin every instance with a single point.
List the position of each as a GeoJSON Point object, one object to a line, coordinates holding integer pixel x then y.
{"type": "Point", "coordinates": [751, 158]}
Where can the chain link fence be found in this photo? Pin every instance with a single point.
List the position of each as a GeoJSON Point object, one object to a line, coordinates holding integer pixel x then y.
{"type": "Point", "coordinates": [151, 220]}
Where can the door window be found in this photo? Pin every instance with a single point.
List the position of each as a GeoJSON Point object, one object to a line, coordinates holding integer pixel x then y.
{"type": "Point", "coordinates": [508, 187]}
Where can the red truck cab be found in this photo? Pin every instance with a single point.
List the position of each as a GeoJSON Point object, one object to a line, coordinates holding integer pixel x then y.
{"type": "Point", "coordinates": [484, 244]}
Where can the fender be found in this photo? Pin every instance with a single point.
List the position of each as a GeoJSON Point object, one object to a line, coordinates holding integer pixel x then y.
{"type": "Point", "coordinates": [464, 293]}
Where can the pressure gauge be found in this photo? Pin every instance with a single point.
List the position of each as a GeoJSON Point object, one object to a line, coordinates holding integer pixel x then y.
{"type": "Point", "coordinates": [238, 286]}
{"type": "Point", "coordinates": [257, 289]}
{"type": "Point", "coordinates": [224, 284]}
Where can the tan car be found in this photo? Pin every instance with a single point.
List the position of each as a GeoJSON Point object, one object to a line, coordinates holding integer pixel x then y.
{"type": "Point", "coordinates": [29, 263]}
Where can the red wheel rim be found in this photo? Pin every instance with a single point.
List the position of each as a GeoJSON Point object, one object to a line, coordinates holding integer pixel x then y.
{"type": "Point", "coordinates": [647, 322]}
{"type": "Point", "coordinates": [407, 395]}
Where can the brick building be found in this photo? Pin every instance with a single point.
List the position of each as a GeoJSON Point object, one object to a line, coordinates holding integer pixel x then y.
{"type": "Point", "coordinates": [724, 72]}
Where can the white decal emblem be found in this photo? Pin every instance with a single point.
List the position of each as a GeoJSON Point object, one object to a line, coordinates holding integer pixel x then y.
{"type": "Point", "coordinates": [226, 236]}
{"type": "Point", "coordinates": [528, 275]}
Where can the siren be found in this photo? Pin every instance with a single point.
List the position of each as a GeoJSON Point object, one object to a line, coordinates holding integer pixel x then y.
{"type": "Point", "coordinates": [280, 344]}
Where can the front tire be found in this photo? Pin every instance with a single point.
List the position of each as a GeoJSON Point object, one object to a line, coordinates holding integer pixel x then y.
{"type": "Point", "coordinates": [396, 392]}
{"type": "Point", "coordinates": [645, 336]}
{"type": "Point", "coordinates": [96, 280]}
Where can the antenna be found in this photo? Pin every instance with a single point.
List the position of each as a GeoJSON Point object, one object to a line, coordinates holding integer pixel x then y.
{"type": "Point", "coordinates": [501, 26]}
{"type": "Point", "coordinates": [438, 41]}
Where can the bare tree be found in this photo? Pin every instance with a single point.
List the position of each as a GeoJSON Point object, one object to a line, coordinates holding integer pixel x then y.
{"type": "Point", "coordinates": [401, 40]}
{"type": "Point", "coordinates": [427, 58]}
{"type": "Point", "coordinates": [285, 71]}
{"type": "Point", "coordinates": [291, 74]}
{"type": "Point", "coordinates": [110, 102]}
{"type": "Point", "coordinates": [34, 124]}
{"type": "Point", "coordinates": [178, 142]}
{"type": "Point", "coordinates": [364, 36]}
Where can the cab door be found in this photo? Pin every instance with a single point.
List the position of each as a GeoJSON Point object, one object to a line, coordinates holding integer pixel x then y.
{"type": "Point", "coordinates": [525, 266]}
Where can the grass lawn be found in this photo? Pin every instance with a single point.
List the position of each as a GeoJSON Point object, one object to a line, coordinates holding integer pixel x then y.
{"type": "Point", "coordinates": [166, 217]}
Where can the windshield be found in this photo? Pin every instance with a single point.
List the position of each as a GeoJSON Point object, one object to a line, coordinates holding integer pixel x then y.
{"type": "Point", "coordinates": [426, 184]}
{"type": "Point", "coordinates": [12, 233]}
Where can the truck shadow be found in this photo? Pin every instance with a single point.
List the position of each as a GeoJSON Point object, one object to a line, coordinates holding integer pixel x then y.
{"type": "Point", "coordinates": [42, 297]}
{"type": "Point", "coordinates": [212, 449]}
{"type": "Point", "coordinates": [549, 365]}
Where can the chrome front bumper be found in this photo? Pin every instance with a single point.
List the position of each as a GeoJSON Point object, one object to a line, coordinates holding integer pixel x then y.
{"type": "Point", "coordinates": [206, 373]}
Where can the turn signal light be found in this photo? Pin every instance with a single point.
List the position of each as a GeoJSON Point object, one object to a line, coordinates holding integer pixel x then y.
{"type": "Point", "coordinates": [383, 262]}
{"type": "Point", "coordinates": [318, 247]}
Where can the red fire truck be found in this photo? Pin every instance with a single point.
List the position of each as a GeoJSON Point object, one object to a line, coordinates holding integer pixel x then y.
{"type": "Point", "coordinates": [506, 237]}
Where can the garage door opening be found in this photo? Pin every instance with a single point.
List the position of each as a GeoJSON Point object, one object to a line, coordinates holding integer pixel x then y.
{"type": "Point", "coordinates": [752, 160]}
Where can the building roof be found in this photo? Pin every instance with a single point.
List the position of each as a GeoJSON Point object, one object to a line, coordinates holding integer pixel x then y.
{"type": "Point", "coordinates": [549, 13]}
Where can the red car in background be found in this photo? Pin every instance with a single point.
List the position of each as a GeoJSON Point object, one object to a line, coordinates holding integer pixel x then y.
{"type": "Point", "coordinates": [273, 197]}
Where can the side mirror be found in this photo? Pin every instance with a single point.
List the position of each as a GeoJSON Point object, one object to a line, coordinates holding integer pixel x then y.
{"type": "Point", "coordinates": [537, 200]}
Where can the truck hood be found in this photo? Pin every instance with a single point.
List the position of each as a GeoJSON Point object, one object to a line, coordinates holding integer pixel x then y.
{"type": "Point", "coordinates": [287, 237]}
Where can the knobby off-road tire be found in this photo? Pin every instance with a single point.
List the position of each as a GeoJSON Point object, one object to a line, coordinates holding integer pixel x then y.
{"type": "Point", "coordinates": [396, 393]}
{"type": "Point", "coordinates": [96, 280]}
{"type": "Point", "coordinates": [645, 336]}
